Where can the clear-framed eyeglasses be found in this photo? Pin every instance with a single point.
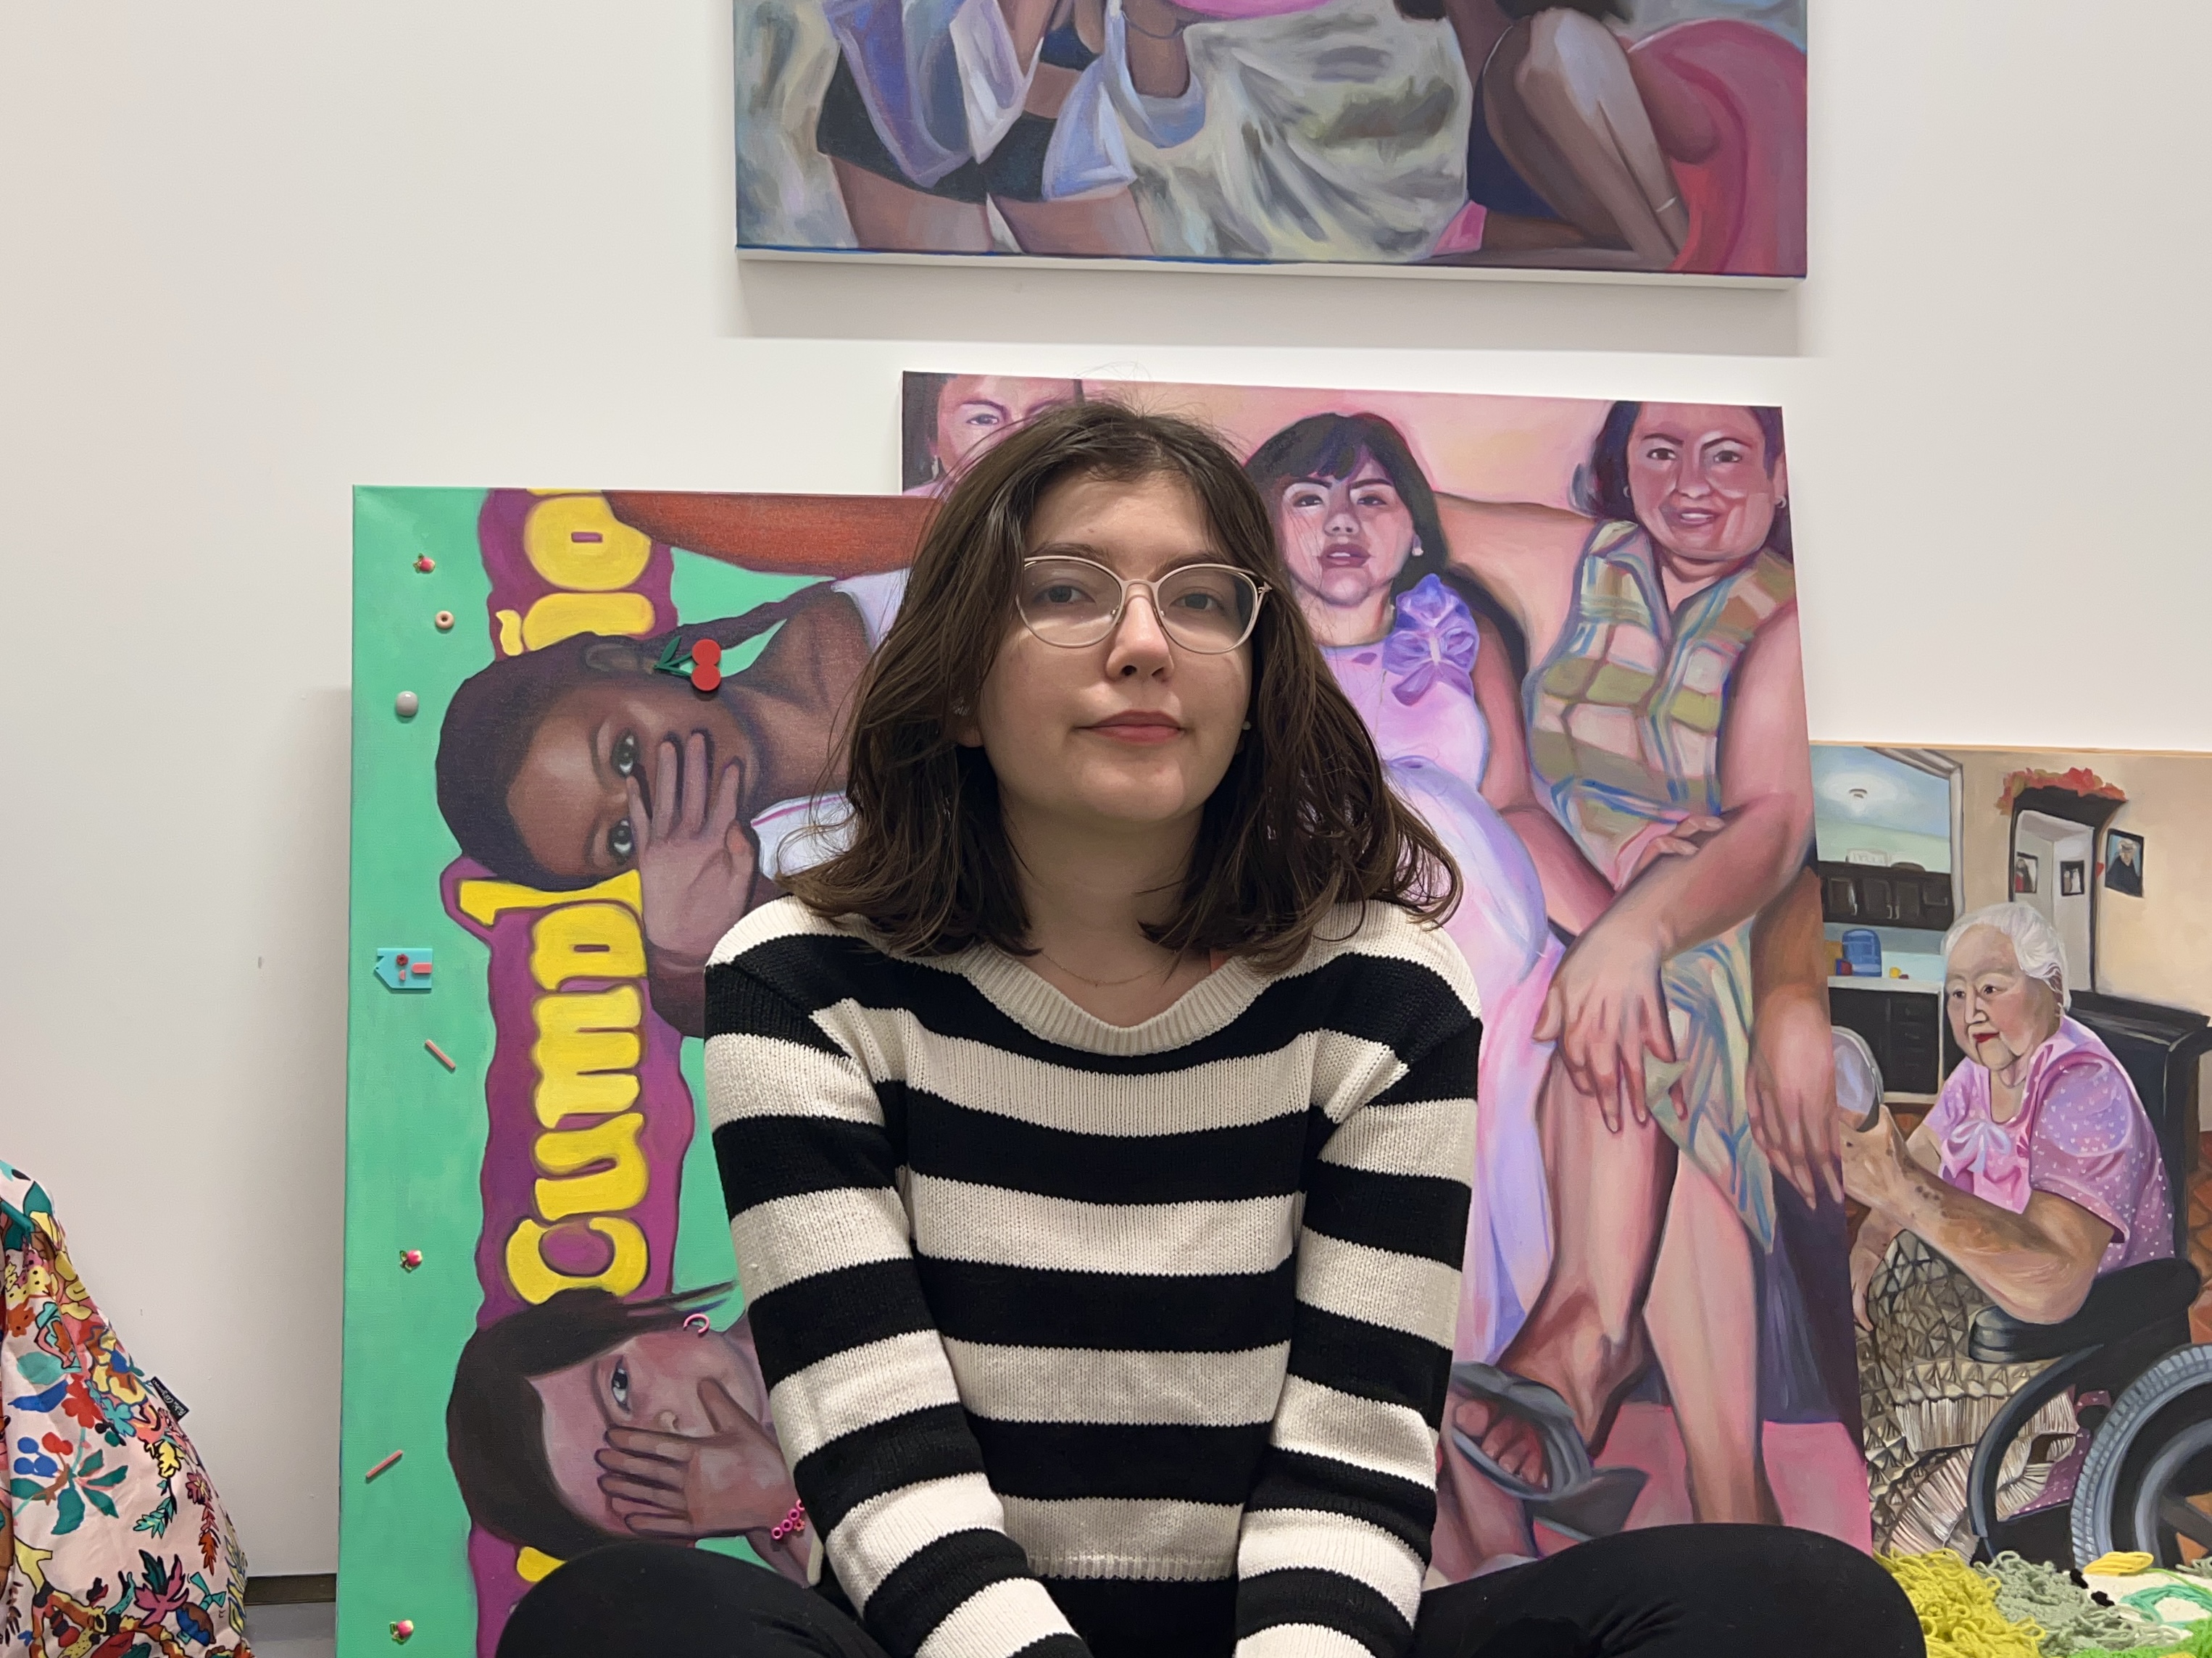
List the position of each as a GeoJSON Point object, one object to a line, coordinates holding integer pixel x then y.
{"type": "Point", "coordinates": [1210, 609]}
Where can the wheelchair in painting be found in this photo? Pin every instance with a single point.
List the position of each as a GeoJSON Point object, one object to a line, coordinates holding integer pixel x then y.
{"type": "Point", "coordinates": [2142, 1392]}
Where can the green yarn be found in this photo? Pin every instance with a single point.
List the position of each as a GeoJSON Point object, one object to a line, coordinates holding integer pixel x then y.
{"type": "Point", "coordinates": [2027, 1591]}
{"type": "Point", "coordinates": [2197, 1644]}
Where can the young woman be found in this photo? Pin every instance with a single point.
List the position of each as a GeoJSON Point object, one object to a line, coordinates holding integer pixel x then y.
{"type": "Point", "coordinates": [1094, 1131]}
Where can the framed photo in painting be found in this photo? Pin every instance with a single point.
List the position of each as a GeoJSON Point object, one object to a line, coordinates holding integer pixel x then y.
{"type": "Point", "coordinates": [1651, 138]}
{"type": "Point", "coordinates": [2123, 863]}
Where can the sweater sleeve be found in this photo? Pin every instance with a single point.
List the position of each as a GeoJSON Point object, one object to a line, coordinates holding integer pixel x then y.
{"type": "Point", "coordinates": [861, 1390]}
{"type": "Point", "coordinates": [1335, 1543]}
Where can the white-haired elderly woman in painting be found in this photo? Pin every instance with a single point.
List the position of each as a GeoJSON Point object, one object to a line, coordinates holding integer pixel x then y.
{"type": "Point", "coordinates": [2036, 1173]}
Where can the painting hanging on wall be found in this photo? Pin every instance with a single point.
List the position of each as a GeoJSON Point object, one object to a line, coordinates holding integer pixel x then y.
{"type": "Point", "coordinates": [2026, 1274]}
{"type": "Point", "coordinates": [1663, 136]}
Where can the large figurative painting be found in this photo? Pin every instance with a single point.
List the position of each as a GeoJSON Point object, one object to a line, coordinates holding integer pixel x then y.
{"type": "Point", "coordinates": [1587, 135]}
{"type": "Point", "coordinates": [1572, 629]}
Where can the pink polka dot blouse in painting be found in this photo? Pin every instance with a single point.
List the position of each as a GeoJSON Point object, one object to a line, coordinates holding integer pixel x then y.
{"type": "Point", "coordinates": [2081, 1134]}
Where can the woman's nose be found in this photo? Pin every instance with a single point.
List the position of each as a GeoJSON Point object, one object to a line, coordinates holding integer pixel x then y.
{"type": "Point", "coordinates": [1138, 635]}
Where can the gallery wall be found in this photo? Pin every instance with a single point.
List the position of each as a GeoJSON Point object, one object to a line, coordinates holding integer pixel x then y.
{"type": "Point", "coordinates": [257, 254]}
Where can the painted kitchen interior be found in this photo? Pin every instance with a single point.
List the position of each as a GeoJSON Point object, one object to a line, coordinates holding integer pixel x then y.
{"type": "Point", "coordinates": [2111, 847]}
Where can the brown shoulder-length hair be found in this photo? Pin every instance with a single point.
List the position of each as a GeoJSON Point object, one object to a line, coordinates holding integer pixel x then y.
{"type": "Point", "coordinates": [1305, 820]}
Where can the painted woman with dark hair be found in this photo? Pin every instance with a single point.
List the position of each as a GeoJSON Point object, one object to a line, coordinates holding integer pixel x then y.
{"type": "Point", "coordinates": [586, 1419]}
{"type": "Point", "coordinates": [1682, 150]}
{"type": "Point", "coordinates": [1666, 721]}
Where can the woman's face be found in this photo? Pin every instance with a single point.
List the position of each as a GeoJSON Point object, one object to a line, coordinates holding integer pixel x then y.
{"type": "Point", "coordinates": [1699, 477]}
{"type": "Point", "coordinates": [567, 798]}
{"type": "Point", "coordinates": [650, 1381]}
{"type": "Point", "coordinates": [1998, 1014]}
{"type": "Point", "coordinates": [1344, 538]}
{"type": "Point", "coordinates": [1133, 732]}
{"type": "Point", "coordinates": [975, 410]}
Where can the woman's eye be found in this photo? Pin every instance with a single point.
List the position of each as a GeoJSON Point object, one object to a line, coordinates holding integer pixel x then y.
{"type": "Point", "coordinates": [1372, 498]}
{"type": "Point", "coordinates": [1726, 457]}
{"type": "Point", "coordinates": [625, 754]}
{"type": "Point", "coordinates": [1659, 451]}
{"type": "Point", "coordinates": [1199, 601]}
{"type": "Point", "coordinates": [622, 839]}
{"type": "Point", "coordinates": [1306, 500]}
{"type": "Point", "coordinates": [618, 1384]}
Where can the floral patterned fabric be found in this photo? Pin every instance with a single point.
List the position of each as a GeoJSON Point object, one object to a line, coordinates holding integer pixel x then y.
{"type": "Point", "coordinates": [114, 1545]}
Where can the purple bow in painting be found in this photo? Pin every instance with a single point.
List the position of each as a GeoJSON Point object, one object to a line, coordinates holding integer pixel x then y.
{"type": "Point", "coordinates": [1434, 634]}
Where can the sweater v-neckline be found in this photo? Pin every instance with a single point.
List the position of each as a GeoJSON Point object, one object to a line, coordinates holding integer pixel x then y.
{"type": "Point", "coordinates": [1045, 1010]}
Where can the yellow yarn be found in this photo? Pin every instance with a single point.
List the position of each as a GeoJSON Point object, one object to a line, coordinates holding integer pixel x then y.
{"type": "Point", "coordinates": [1958, 1608]}
{"type": "Point", "coordinates": [2119, 1566]}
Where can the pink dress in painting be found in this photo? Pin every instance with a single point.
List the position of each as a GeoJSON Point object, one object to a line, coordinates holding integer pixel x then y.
{"type": "Point", "coordinates": [1415, 689]}
{"type": "Point", "coordinates": [2081, 1134]}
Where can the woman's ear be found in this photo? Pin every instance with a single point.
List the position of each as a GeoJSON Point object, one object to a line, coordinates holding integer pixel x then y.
{"type": "Point", "coordinates": [962, 728]}
{"type": "Point", "coordinates": [1782, 483]}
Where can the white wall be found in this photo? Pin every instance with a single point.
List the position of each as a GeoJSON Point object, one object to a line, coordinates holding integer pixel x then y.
{"type": "Point", "coordinates": [252, 253]}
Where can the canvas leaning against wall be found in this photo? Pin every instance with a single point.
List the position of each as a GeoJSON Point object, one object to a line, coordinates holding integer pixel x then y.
{"type": "Point", "coordinates": [2091, 1426]}
{"type": "Point", "coordinates": [536, 1251]}
{"type": "Point", "coordinates": [1651, 135]}
{"type": "Point", "coordinates": [1566, 623]}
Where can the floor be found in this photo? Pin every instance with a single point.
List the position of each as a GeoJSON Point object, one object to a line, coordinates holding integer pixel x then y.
{"type": "Point", "coordinates": [304, 1632]}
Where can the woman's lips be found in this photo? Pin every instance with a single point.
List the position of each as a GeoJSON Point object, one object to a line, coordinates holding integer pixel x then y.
{"type": "Point", "coordinates": [1343, 557]}
{"type": "Point", "coordinates": [1138, 728]}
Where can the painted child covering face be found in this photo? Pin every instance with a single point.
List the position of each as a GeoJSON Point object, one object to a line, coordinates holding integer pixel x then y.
{"type": "Point", "coordinates": [665, 1435]}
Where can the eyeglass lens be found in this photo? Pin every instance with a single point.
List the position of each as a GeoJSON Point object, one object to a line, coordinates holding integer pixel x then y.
{"type": "Point", "coordinates": [1207, 608]}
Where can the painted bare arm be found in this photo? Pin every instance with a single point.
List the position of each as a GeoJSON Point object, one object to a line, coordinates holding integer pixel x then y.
{"type": "Point", "coordinates": [782, 535]}
{"type": "Point", "coordinates": [1159, 66]}
{"type": "Point", "coordinates": [1792, 1079]}
{"type": "Point", "coordinates": [2037, 1264]}
{"type": "Point", "coordinates": [1766, 806]}
{"type": "Point", "coordinates": [1525, 553]}
{"type": "Point", "coordinates": [1575, 894]}
{"type": "Point", "coordinates": [1877, 1231]}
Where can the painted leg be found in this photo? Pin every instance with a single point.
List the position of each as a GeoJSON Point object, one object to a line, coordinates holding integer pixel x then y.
{"type": "Point", "coordinates": [1584, 1338]}
{"type": "Point", "coordinates": [1096, 226]}
{"type": "Point", "coordinates": [1565, 110]}
{"type": "Point", "coordinates": [889, 217]}
{"type": "Point", "coordinates": [1703, 1321]}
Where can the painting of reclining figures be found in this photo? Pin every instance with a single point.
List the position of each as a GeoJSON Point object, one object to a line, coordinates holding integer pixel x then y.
{"type": "Point", "coordinates": [1586, 135]}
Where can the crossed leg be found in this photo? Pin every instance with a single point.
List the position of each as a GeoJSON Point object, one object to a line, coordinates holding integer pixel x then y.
{"type": "Point", "coordinates": [1563, 107]}
{"type": "Point", "coordinates": [1652, 1261]}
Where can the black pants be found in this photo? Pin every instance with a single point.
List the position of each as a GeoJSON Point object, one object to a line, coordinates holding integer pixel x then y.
{"type": "Point", "coordinates": [1673, 1592]}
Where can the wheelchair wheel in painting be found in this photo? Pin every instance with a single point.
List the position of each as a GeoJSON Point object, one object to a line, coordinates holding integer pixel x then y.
{"type": "Point", "coordinates": [2146, 1481]}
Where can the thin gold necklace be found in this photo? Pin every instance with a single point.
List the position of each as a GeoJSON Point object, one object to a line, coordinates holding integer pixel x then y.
{"type": "Point", "coordinates": [1096, 984]}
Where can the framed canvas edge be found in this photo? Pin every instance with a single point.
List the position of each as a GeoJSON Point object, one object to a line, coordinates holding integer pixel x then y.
{"type": "Point", "coordinates": [1267, 267]}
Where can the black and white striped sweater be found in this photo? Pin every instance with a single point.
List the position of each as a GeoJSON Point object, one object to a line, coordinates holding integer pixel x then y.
{"type": "Point", "coordinates": [1140, 1334]}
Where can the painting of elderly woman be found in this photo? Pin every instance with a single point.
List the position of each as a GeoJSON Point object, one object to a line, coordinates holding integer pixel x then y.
{"type": "Point", "coordinates": [2036, 1175]}
{"type": "Point", "coordinates": [1645, 136]}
